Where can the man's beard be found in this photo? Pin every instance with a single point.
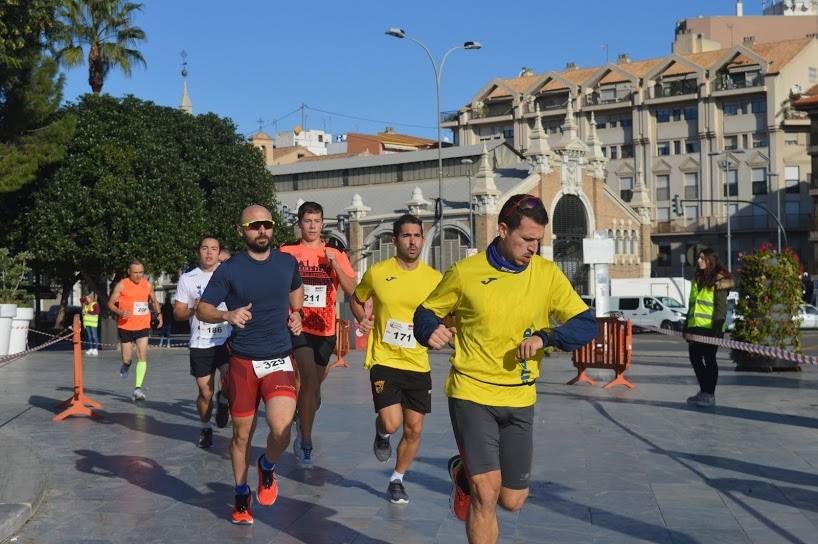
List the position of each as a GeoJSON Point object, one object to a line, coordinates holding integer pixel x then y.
{"type": "Point", "coordinates": [255, 247]}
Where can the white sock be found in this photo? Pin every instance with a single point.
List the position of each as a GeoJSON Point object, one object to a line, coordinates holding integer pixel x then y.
{"type": "Point", "coordinates": [396, 476]}
{"type": "Point", "coordinates": [382, 435]}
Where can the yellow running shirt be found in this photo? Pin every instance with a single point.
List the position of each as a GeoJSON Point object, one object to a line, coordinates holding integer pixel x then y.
{"type": "Point", "coordinates": [494, 312]}
{"type": "Point", "coordinates": [396, 292]}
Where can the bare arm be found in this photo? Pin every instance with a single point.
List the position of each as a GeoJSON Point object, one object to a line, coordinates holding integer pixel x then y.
{"type": "Point", "coordinates": [297, 304]}
{"type": "Point", "coordinates": [347, 282]}
{"type": "Point", "coordinates": [181, 311]}
{"type": "Point", "coordinates": [365, 323]}
{"type": "Point", "coordinates": [114, 300]}
{"type": "Point", "coordinates": [210, 314]}
{"type": "Point", "coordinates": [156, 308]}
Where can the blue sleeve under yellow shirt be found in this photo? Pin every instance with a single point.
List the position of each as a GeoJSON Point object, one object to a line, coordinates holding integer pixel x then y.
{"type": "Point", "coordinates": [396, 293]}
{"type": "Point", "coordinates": [494, 312]}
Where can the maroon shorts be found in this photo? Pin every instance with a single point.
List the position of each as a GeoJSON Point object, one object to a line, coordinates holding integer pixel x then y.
{"type": "Point", "coordinates": [245, 390]}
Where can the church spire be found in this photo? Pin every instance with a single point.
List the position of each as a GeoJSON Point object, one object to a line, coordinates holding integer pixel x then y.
{"type": "Point", "coordinates": [186, 105]}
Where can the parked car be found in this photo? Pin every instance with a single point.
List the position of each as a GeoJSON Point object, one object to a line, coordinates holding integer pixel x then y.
{"type": "Point", "coordinates": [807, 317]}
{"type": "Point", "coordinates": [647, 312]}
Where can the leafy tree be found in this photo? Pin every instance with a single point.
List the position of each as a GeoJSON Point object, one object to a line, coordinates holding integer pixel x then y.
{"type": "Point", "coordinates": [32, 134]}
{"type": "Point", "coordinates": [140, 181]}
{"type": "Point", "coordinates": [106, 29]}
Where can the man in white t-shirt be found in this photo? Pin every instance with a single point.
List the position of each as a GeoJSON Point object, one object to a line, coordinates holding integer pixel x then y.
{"type": "Point", "coordinates": [207, 349]}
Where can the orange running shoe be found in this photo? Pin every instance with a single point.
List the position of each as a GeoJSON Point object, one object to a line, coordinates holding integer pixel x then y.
{"type": "Point", "coordinates": [242, 513]}
{"type": "Point", "coordinates": [459, 500]}
{"type": "Point", "coordinates": [267, 491]}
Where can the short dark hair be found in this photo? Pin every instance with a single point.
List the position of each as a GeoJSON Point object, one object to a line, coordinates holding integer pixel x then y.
{"type": "Point", "coordinates": [522, 205]}
{"type": "Point", "coordinates": [309, 207]}
{"type": "Point", "coordinates": [406, 219]}
{"type": "Point", "coordinates": [135, 262]}
{"type": "Point", "coordinates": [208, 237]}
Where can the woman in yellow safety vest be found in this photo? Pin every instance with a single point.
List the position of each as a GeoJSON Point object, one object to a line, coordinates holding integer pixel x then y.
{"type": "Point", "coordinates": [90, 322]}
{"type": "Point", "coordinates": [706, 316]}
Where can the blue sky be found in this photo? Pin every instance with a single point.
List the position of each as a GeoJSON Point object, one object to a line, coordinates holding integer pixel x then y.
{"type": "Point", "coordinates": [251, 59]}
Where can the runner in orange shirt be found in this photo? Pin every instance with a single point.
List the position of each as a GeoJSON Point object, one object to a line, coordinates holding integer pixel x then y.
{"type": "Point", "coordinates": [130, 301]}
{"type": "Point", "coordinates": [322, 270]}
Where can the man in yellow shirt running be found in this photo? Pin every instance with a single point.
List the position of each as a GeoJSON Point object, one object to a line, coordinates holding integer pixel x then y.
{"type": "Point", "coordinates": [398, 366]}
{"type": "Point", "coordinates": [503, 300]}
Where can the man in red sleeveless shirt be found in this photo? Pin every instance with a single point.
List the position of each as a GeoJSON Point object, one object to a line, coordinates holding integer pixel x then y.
{"type": "Point", "coordinates": [131, 302]}
{"type": "Point", "coordinates": [322, 270]}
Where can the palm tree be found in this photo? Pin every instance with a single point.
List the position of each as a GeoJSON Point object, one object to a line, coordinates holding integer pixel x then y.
{"type": "Point", "coordinates": [105, 27]}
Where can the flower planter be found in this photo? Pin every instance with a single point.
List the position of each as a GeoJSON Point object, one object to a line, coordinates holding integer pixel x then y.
{"type": "Point", "coordinates": [7, 313]}
{"type": "Point", "coordinates": [18, 340]}
{"type": "Point", "coordinates": [749, 362]}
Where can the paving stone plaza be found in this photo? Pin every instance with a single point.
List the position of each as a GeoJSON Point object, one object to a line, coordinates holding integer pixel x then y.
{"type": "Point", "coordinates": [609, 465]}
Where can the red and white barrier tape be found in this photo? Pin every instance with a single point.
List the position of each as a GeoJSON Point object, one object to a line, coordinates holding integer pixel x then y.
{"type": "Point", "coordinates": [115, 346]}
{"type": "Point", "coordinates": [778, 353]}
{"type": "Point", "coordinates": [8, 359]}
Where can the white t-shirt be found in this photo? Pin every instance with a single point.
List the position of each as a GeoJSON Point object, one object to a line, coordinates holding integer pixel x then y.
{"type": "Point", "coordinates": [202, 335]}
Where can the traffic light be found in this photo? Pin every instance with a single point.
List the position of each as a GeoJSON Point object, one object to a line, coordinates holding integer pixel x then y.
{"type": "Point", "coordinates": [677, 208]}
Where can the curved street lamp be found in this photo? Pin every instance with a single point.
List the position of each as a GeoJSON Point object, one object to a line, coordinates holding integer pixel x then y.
{"type": "Point", "coordinates": [438, 68]}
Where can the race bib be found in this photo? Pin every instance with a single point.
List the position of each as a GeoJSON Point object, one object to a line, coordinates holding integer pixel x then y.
{"type": "Point", "coordinates": [268, 366]}
{"type": "Point", "coordinates": [212, 331]}
{"type": "Point", "coordinates": [315, 296]}
{"type": "Point", "coordinates": [399, 334]}
{"type": "Point", "coordinates": [140, 308]}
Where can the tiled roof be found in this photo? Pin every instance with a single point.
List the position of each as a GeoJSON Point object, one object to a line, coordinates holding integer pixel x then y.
{"type": "Point", "coordinates": [808, 99]}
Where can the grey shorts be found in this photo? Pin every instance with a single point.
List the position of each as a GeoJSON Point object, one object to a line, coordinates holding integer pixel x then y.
{"type": "Point", "coordinates": [494, 438]}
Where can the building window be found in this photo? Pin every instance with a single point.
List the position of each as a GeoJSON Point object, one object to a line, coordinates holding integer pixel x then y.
{"type": "Point", "coordinates": [759, 105]}
{"type": "Point", "coordinates": [677, 114]}
{"type": "Point", "coordinates": [604, 151]}
{"type": "Point", "coordinates": [662, 116]}
{"type": "Point", "coordinates": [691, 185]}
{"type": "Point", "coordinates": [662, 188]}
{"type": "Point", "coordinates": [625, 122]}
{"type": "Point", "coordinates": [691, 212]}
{"type": "Point", "coordinates": [760, 140]}
{"type": "Point", "coordinates": [663, 148]}
{"type": "Point", "coordinates": [627, 151]}
{"type": "Point", "coordinates": [613, 152]}
{"type": "Point", "coordinates": [626, 188]}
{"type": "Point", "coordinates": [601, 122]}
{"type": "Point", "coordinates": [759, 178]}
{"type": "Point", "coordinates": [663, 256]}
{"type": "Point", "coordinates": [508, 133]}
{"type": "Point", "coordinates": [792, 213]}
{"type": "Point", "coordinates": [731, 142]}
{"type": "Point", "coordinates": [812, 73]}
{"type": "Point", "coordinates": [677, 147]}
{"type": "Point", "coordinates": [663, 215]}
{"type": "Point", "coordinates": [730, 109]}
{"type": "Point", "coordinates": [691, 113]}
{"type": "Point", "coordinates": [731, 183]}
{"type": "Point", "coordinates": [792, 179]}
{"type": "Point", "coordinates": [691, 146]}
{"type": "Point", "coordinates": [612, 122]}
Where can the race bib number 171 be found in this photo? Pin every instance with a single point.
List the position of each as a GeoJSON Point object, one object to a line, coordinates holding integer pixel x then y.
{"type": "Point", "coordinates": [399, 334]}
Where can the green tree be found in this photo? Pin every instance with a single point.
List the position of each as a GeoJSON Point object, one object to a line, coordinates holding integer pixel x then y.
{"type": "Point", "coordinates": [105, 28]}
{"type": "Point", "coordinates": [32, 134]}
{"type": "Point", "coordinates": [140, 181]}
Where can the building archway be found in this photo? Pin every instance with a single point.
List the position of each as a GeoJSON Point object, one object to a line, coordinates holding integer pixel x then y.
{"type": "Point", "coordinates": [570, 227]}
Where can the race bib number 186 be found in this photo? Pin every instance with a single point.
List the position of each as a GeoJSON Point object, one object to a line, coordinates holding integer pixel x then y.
{"type": "Point", "coordinates": [268, 366]}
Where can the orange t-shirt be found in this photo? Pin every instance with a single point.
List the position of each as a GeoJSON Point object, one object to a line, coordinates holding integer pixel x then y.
{"type": "Point", "coordinates": [320, 285]}
{"type": "Point", "coordinates": [135, 298]}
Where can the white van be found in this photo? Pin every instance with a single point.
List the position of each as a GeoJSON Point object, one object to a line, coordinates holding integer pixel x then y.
{"type": "Point", "coordinates": [645, 311]}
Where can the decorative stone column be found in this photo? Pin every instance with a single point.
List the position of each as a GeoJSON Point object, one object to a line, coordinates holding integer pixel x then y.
{"type": "Point", "coordinates": [485, 198]}
{"type": "Point", "coordinates": [417, 204]}
{"type": "Point", "coordinates": [357, 211]}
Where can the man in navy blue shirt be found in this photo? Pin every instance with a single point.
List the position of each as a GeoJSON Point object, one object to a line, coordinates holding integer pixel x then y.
{"type": "Point", "coordinates": [259, 287]}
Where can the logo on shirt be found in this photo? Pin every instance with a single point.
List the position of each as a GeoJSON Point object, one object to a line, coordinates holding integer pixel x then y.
{"type": "Point", "coordinates": [390, 278]}
{"type": "Point", "coordinates": [488, 280]}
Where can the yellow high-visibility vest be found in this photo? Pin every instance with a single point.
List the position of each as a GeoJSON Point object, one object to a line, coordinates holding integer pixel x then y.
{"type": "Point", "coordinates": [88, 319]}
{"type": "Point", "coordinates": [702, 303]}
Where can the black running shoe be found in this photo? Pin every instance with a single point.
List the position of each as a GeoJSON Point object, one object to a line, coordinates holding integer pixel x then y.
{"type": "Point", "coordinates": [222, 411]}
{"type": "Point", "coordinates": [206, 438]}
{"type": "Point", "coordinates": [397, 493]}
{"type": "Point", "coordinates": [382, 448]}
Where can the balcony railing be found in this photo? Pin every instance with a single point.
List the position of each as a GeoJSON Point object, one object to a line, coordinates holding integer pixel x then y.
{"type": "Point", "coordinates": [662, 91]}
{"type": "Point", "coordinates": [727, 82]}
{"type": "Point", "coordinates": [449, 116]}
{"type": "Point", "coordinates": [596, 99]}
{"type": "Point", "coordinates": [738, 223]}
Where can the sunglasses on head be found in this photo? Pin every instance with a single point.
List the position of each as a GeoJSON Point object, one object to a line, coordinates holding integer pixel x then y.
{"type": "Point", "coordinates": [525, 203]}
{"type": "Point", "coordinates": [256, 225]}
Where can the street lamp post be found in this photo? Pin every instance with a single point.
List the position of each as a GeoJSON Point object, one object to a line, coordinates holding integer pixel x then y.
{"type": "Point", "coordinates": [777, 204]}
{"type": "Point", "coordinates": [438, 68]}
{"type": "Point", "coordinates": [468, 163]}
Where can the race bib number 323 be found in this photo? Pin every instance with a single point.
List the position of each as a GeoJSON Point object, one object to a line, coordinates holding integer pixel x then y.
{"type": "Point", "coordinates": [399, 334]}
{"type": "Point", "coordinates": [268, 366]}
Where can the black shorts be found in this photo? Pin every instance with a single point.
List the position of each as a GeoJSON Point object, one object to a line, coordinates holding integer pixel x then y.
{"type": "Point", "coordinates": [322, 346]}
{"type": "Point", "coordinates": [494, 438]}
{"type": "Point", "coordinates": [412, 390]}
{"type": "Point", "coordinates": [132, 336]}
{"type": "Point", "coordinates": [205, 361]}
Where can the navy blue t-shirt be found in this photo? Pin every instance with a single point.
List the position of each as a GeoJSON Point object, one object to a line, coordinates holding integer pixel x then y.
{"type": "Point", "coordinates": [242, 280]}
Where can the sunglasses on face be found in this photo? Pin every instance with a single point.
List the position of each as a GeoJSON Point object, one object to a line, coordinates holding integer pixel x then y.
{"type": "Point", "coordinates": [257, 225]}
{"type": "Point", "coordinates": [525, 203]}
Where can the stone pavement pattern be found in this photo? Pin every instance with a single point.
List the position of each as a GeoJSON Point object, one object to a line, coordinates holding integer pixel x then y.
{"type": "Point", "coordinates": [609, 466]}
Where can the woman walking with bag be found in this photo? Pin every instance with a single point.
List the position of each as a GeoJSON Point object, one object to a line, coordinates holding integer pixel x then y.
{"type": "Point", "coordinates": [706, 315]}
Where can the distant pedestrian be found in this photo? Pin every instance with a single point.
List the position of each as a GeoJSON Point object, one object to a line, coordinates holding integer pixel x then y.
{"type": "Point", "coordinates": [90, 322]}
{"type": "Point", "coordinates": [706, 316]}
{"type": "Point", "coordinates": [809, 290]}
{"type": "Point", "coordinates": [167, 322]}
